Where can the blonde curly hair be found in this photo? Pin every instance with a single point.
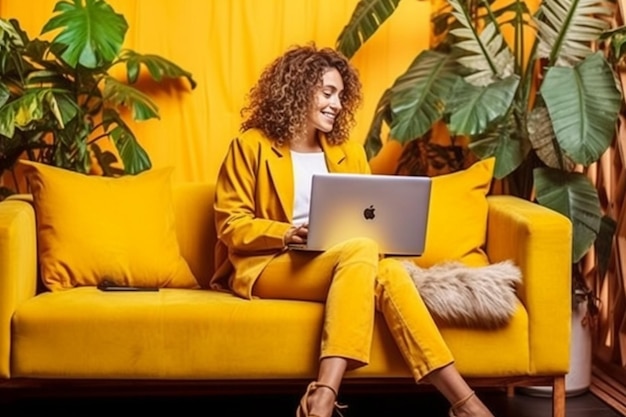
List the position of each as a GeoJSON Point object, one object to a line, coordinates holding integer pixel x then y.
{"type": "Point", "coordinates": [279, 102]}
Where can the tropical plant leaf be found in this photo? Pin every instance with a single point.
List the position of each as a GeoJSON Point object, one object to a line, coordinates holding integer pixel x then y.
{"type": "Point", "coordinates": [91, 34]}
{"type": "Point", "coordinates": [567, 29]}
{"type": "Point", "coordinates": [616, 40]}
{"type": "Point", "coordinates": [419, 96]}
{"type": "Point", "coordinates": [473, 109]}
{"type": "Point", "coordinates": [366, 18]}
{"type": "Point", "coordinates": [120, 94]}
{"type": "Point", "coordinates": [573, 195]}
{"type": "Point", "coordinates": [134, 157]}
{"type": "Point", "coordinates": [30, 107]}
{"type": "Point", "coordinates": [373, 143]}
{"type": "Point", "coordinates": [157, 66]}
{"type": "Point", "coordinates": [505, 143]}
{"type": "Point", "coordinates": [583, 103]}
{"type": "Point", "coordinates": [604, 244]}
{"type": "Point", "coordinates": [487, 53]}
{"type": "Point", "coordinates": [543, 140]}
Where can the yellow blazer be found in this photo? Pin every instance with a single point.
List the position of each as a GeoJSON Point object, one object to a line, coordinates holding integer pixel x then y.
{"type": "Point", "coordinates": [254, 204]}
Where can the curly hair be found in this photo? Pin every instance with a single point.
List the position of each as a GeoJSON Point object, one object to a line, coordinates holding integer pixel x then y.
{"type": "Point", "coordinates": [279, 102]}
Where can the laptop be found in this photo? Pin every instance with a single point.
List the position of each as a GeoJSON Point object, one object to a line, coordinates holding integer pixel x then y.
{"type": "Point", "coordinates": [391, 209]}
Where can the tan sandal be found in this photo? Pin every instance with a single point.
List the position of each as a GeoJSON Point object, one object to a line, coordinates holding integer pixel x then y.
{"type": "Point", "coordinates": [460, 403]}
{"type": "Point", "coordinates": [303, 408]}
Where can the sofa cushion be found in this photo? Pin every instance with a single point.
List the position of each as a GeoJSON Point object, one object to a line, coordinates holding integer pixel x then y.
{"type": "Point", "coordinates": [457, 224]}
{"type": "Point", "coordinates": [92, 227]}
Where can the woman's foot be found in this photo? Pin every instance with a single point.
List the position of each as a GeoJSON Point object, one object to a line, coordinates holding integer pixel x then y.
{"type": "Point", "coordinates": [470, 406]}
{"type": "Point", "coordinates": [318, 401]}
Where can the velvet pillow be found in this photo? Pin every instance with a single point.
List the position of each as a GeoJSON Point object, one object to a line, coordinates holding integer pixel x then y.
{"type": "Point", "coordinates": [92, 227]}
{"type": "Point", "coordinates": [457, 223]}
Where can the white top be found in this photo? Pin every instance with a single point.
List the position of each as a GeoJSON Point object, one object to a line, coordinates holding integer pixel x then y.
{"type": "Point", "coordinates": [304, 166]}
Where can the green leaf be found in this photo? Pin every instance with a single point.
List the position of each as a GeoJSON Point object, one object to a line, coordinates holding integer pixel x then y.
{"type": "Point", "coordinates": [575, 196]}
{"type": "Point", "coordinates": [366, 18]}
{"type": "Point", "coordinates": [584, 104]}
{"type": "Point", "coordinates": [157, 66]}
{"type": "Point", "coordinates": [568, 29]}
{"type": "Point", "coordinates": [487, 52]}
{"type": "Point", "coordinates": [473, 109]}
{"type": "Point", "coordinates": [419, 96]}
{"type": "Point", "coordinates": [92, 33]}
{"type": "Point", "coordinates": [373, 143]}
{"type": "Point", "coordinates": [505, 143]}
{"type": "Point", "coordinates": [134, 157]}
{"type": "Point", "coordinates": [120, 94]}
{"type": "Point", "coordinates": [604, 244]}
{"type": "Point", "coordinates": [31, 107]}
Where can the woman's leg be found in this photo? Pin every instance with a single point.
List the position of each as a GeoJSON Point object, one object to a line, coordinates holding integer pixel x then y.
{"type": "Point", "coordinates": [419, 339]}
{"type": "Point", "coordinates": [343, 278]}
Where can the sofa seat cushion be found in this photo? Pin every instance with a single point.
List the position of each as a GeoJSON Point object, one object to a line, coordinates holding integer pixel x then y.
{"type": "Point", "coordinates": [201, 334]}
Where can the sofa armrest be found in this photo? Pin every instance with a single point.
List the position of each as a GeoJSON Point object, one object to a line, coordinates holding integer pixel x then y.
{"type": "Point", "coordinates": [539, 241]}
{"type": "Point", "coordinates": [18, 267]}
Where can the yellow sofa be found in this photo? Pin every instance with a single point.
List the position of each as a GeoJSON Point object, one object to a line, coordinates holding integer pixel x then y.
{"type": "Point", "coordinates": [186, 336]}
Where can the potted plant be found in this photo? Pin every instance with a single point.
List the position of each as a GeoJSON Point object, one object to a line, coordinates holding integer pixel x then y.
{"type": "Point", "coordinates": [547, 110]}
{"type": "Point", "coordinates": [59, 99]}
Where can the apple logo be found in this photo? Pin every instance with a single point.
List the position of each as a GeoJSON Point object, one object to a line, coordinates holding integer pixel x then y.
{"type": "Point", "coordinates": [368, 213]}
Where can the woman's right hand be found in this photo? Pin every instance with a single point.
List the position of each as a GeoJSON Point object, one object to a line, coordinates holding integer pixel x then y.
{"type": "Point", "coordinates": [297, 234]}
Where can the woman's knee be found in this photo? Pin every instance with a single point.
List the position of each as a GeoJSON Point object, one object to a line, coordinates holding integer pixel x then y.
{"type": "Point", "coordinates": [362, 248]}
{"type": "Point", "coordinates": [391, 270]}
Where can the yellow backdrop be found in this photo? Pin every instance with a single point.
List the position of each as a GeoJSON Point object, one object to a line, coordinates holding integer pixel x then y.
{"type": "Point", "coordinates": [225, 44]}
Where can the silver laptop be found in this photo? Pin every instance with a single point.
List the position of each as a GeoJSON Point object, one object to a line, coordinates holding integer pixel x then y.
{"type": "Point", "coordinates": [391, 209]}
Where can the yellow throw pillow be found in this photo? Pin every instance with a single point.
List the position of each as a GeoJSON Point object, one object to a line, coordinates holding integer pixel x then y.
{"type": "Point", "coordinates": [92, 227]}
{"type": "Point", "coordinates": [457, 223]}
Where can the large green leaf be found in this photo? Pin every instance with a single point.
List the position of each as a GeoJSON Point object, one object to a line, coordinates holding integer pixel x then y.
{"type": "Point", "coordinates": [573, 195]}
{"type": "Point", "coordinates": [92, 33]}
{"type": "Point", "coordinates": [120, 94]}
{"type": "Point", "coordinates": [473, 109]}
{"type": "Point", "coordinates": [584, 104]}
{"type": "Point", "coordinates": [419, 96]}
{"type": "Point", "coordinates": [366, 18]}
{"type": "Point", "coordinates": [157, 66]}
{"type": "Point", "coordinates": [567, 29]}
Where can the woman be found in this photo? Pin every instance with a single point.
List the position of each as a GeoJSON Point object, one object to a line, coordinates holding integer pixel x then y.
{"type": "Point", "coordinates": [296, 124]}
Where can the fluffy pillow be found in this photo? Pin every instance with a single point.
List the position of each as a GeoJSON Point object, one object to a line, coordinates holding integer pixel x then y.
{"type": "Point", "coordinates": [462, 296]}
{"type": "Point", "coordinates": [457, 223]}
{"type": "Point", "coordinates": [92, 227]}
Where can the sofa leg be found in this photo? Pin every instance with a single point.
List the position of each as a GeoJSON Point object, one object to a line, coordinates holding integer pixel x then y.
{"type": "Point", "coordinates": [558, 397]}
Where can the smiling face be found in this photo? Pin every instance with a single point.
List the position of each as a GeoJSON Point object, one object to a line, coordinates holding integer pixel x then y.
{"type": "Point", "coordinates": [327, 102]}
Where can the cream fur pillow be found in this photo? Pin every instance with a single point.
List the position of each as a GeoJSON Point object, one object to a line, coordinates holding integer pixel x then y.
{"type": "Point", "coordinates": [463, 296]}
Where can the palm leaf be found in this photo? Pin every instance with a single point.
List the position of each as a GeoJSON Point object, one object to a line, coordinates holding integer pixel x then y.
{"type": "Point", "coordinates": [120, 94]}
{"type": "Point", "coordinates": [366, 18]}
{"type": "Point", "coordinates": [91, 34]}
{"type": "Point", "coordinates": [567, 29]}
{"type": "Point", "coordinates": [583, 103]}
{"type": "Point", "coordinates": [486, 53]}
{"type": "Point", "coordinates": [419, 96]}
{"type": "Point", "coordinates": [573, 195]}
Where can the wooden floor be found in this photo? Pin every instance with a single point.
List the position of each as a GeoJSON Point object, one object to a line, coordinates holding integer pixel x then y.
{"type": "Point", "coordinates": [429, 404]}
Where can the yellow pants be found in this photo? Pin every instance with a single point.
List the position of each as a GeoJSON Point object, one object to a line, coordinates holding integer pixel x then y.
{"type": "Point", "coordinates": [354, 283]}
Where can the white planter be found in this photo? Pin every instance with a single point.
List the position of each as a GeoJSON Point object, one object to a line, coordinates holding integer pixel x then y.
{"type": "Point", "coordinates": [578, 380]}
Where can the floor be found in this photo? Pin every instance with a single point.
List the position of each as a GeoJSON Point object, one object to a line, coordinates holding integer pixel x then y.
{"type": "Point", "coordinates": [359, 405]}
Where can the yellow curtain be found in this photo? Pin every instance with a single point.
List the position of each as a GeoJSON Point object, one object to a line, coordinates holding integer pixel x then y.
{"type": "Point", "coordinates": [225, 44]}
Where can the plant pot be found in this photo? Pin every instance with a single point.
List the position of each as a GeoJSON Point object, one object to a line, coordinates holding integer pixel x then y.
{"type": "Point", "coordinates": [578, 380]}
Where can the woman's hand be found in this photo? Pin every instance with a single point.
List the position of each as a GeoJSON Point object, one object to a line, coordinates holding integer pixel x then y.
{"type": "Point", "coordinates": [297, 234]}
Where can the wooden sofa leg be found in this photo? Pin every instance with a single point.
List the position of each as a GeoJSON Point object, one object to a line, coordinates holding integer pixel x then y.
{"type": "Point", "coordinates": [558, 397]}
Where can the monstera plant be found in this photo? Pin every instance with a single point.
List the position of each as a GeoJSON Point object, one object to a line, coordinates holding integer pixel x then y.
{"type": "Point", "coordinates": [60, 99]}
{"type": "Point", "coordinates": [547, 109]}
